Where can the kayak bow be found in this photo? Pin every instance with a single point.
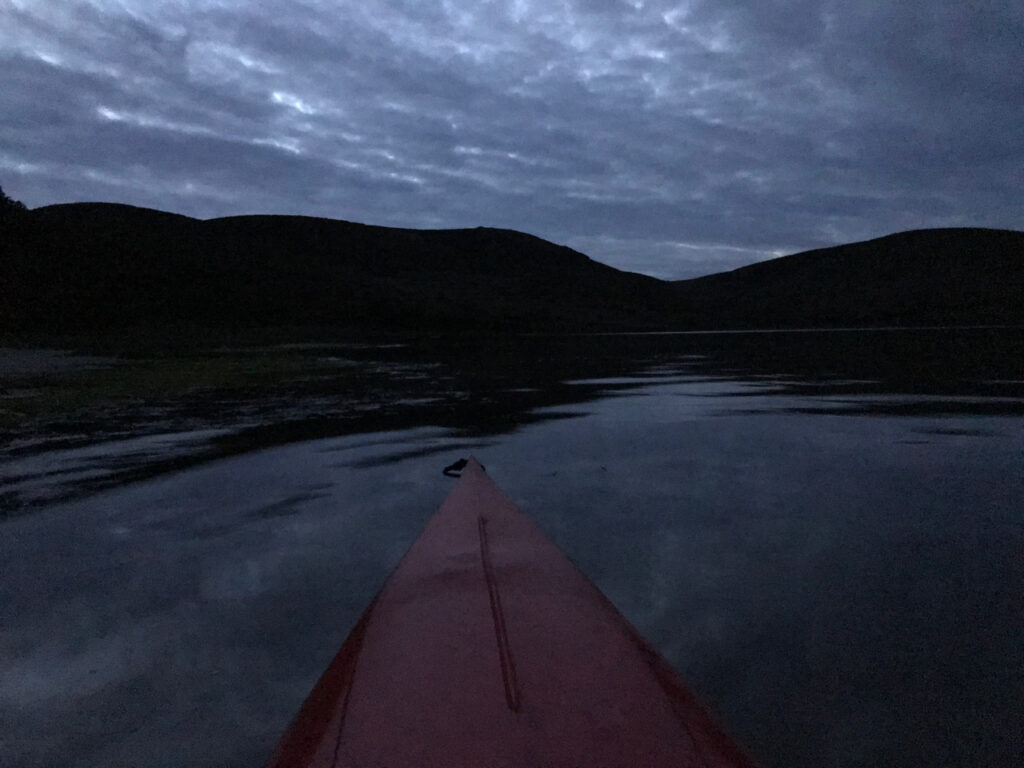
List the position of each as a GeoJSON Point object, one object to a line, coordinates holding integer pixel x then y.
{"type": "Point", "coordinates": [488, 648]}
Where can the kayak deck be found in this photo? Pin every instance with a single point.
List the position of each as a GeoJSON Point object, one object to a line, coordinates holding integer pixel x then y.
{"type": "Point", "coordinates": [488, 648]}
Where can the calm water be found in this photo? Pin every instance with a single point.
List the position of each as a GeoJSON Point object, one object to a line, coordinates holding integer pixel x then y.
{"type": "Point", "coordinates": [822, 532]}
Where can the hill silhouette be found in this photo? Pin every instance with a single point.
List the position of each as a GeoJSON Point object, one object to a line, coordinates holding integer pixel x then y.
{"type": "Point", "coordinates": [97, 268]}
{"type": "Point", "coordinates": [964, 276]}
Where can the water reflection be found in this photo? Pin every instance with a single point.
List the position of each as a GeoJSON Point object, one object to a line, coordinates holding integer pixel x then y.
{"type": "Point", "coordinates": [842, 589]}
{"type": "Point", "coordinates": [486, 386]}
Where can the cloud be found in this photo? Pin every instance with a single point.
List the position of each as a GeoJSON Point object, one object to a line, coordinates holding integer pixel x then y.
{"type": "Point", "coordinates": [668, 136]}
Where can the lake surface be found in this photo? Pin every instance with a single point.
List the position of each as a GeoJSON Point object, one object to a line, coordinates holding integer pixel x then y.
{"type": "Point", "coordinates": [823, 532]}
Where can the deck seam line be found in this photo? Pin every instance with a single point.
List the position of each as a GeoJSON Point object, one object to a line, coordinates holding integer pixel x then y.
{"type": "Point", "coordinates": [508, 668]}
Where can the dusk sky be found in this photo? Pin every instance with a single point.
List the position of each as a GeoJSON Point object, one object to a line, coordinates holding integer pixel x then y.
{"type": "Point", "coordinates": [672, 138]}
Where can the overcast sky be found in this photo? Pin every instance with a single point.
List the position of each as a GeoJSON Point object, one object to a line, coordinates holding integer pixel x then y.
{"type": "Point", "coordinates": [673, 138]}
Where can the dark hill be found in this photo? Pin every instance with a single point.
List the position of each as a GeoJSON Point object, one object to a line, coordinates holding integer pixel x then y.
{"type": "Point", "coordinates": [921, 277]}
{"type": "Point", "coordinates": [97, 268]}
{"type": "Point", "coordinates": [92, 266]}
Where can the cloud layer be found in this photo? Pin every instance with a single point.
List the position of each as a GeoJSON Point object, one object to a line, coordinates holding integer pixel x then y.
{"type": "Point", "coordinates": [666, 137]}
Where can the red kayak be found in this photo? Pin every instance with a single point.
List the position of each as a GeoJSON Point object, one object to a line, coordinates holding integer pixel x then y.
{"type": "Point", "coordinates": [488, 648]}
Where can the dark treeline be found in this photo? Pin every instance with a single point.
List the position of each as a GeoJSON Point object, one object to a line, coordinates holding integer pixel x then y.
{"type": "Point", "coordinates": [9, 207]}
{"type": "Point", "coordinates": [94, 268]}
